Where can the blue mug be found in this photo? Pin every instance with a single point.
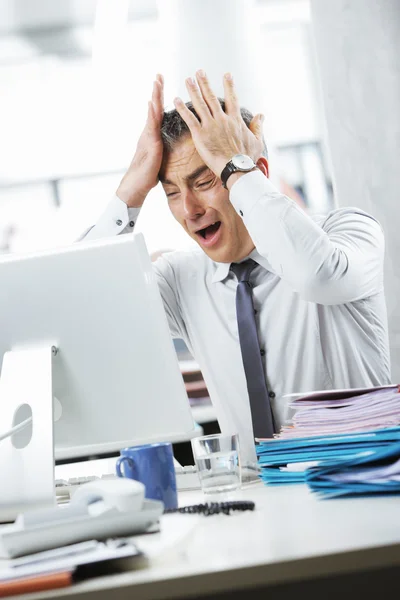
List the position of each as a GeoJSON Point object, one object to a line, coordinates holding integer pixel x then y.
{"type": "Point", "coordinates": [152, 465]}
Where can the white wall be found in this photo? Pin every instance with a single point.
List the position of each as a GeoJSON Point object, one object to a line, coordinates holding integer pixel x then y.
{"type": "Point", "coordinates": [358, 46]}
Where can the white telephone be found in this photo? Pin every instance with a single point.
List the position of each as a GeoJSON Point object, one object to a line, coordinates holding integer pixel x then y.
{"type": "Point", "coordinates": [98, 510]}
{"type": "Point", "coordinates": [122, 494]}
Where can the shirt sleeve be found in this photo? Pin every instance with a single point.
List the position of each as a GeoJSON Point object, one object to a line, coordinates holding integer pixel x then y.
{"type": "Point", "coordinates": [169, 290]}
{"type": "Point", "coordinates": [117, 218]}
{"type": "Point", "coordinates": [336, 261]}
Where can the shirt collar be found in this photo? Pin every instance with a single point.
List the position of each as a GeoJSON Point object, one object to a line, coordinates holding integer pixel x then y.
{"type": "Point", "coordinates": [222, 269]}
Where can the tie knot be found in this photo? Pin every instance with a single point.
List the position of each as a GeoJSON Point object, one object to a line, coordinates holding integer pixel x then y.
{"type": "Point", "coordinates": [243, 270]}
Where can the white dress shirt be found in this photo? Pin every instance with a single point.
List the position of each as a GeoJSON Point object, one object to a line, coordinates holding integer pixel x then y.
{"type": "Point", "coordinates": [318, 293]}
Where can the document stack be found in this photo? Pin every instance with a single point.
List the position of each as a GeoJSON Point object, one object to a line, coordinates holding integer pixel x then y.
{"type": "Point", "coordinates": [340, 442]}
{"type": "Point", "coordinates": [61, 567]}
{"type": "Point", "coordinates": [343, 411]}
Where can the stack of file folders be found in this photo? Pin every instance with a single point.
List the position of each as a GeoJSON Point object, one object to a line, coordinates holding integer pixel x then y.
{"type": "Point", "coordinates": [340, 443]}
{"type": "Point", "coordinates": [366, 473]}
{"type": "Point", "coordinates": [312, 459]}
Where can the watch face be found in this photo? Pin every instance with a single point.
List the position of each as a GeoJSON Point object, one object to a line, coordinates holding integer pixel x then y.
{"type": "Point", "coordinates": [243, 162]}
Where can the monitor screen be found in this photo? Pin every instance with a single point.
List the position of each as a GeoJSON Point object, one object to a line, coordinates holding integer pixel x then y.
{"type": "Point", "coordinates": [115, 375]}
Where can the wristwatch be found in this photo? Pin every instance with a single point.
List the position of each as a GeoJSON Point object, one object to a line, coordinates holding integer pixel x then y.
{"type": "Point", "coordinates": [239, 162]}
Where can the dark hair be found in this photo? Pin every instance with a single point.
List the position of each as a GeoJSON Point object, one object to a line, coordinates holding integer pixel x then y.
{"type": "Point", "coordinates": [174, 128]}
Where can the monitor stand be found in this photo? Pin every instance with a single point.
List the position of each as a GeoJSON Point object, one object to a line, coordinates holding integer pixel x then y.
{"type": "Point", "coordinates": [26, 473]}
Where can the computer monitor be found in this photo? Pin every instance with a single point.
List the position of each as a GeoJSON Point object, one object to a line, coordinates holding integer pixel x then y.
{"type": "Point", "coordinates": [113, 371]}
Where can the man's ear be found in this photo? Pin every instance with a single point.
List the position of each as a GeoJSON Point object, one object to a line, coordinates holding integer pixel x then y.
{"type": "Point", "coordinates": [262, 164]}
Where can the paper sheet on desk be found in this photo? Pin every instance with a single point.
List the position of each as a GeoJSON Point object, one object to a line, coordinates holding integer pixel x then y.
{"type": "Point", "coordinates": [67, 558]}
{"type": "Point", "coordinates": [338, 393]}
{"type": "Point", "coordinates": [374, 473]}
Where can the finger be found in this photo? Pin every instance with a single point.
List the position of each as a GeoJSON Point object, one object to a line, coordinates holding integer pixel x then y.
{"type": "Point", "coordinates": [197, 99]}
{"type": "Point", "coordinates": [151, 117]}
{"type": "Point", "coordinates": [157, 99]}
{"type": "Point", "coordinates": [208, 94]}
{"type": "Point", "coordinates": [232, 106]}
{"type": "Point", "coordinates": [160, 79]}
{"type": "Point", "coordinates": [187, 115]}
{"type": "Point", "coordinates": [157, 94]}
{"type": "Point", "coordinates": [153, 125]}
{"type": "Point", "coordinates": [256, 126]}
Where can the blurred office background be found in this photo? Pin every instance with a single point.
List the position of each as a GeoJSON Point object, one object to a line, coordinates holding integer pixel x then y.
{"type": "Point", "coordinates": [75, 78]}
{"type": "Point", "coordinates": [76, 75]}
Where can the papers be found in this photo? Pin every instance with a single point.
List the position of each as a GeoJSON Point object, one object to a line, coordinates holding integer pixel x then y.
{"type": "Point", "coordinates": [343, 411]}
{"type": "Point", "coordinates": [79, 560]}
{"type": "Point", "coordinates": [375, 472]}
{"type": "Point", "coordinates": [289, 461]}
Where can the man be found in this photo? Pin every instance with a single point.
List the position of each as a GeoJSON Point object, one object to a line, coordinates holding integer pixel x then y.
{"type": "Point", "coordinates": [317, 283]}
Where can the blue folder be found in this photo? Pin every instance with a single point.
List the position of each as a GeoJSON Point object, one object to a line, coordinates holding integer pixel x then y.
{"type": "Point", "coordinates": [327, 449]}
{"type": "Point", "coordinates": [365, 471]}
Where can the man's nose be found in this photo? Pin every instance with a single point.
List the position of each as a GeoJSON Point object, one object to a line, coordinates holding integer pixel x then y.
{"type": "Point", "coordinates": [192, 206]}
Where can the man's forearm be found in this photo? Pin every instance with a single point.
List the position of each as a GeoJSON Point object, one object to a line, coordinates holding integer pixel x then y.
{"type": "Point", "coordinates": [333, 264]}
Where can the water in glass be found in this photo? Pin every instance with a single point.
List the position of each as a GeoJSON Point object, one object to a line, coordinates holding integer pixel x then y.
{"type": "Point", "coordinates": [219, 471]}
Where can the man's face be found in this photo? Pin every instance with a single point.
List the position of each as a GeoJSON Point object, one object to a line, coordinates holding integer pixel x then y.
{"type": "Point", "coordinates": [201, 205]}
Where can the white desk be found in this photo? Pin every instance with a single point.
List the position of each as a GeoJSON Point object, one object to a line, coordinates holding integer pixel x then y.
{"type": "Point", "coordinates": [291, 538]}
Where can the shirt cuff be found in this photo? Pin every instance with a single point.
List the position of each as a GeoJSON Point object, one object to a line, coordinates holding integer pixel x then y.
{"type": "Point", "coordinates": [117, 218]}
{"type": "Point", "coordinates": [248, 189]}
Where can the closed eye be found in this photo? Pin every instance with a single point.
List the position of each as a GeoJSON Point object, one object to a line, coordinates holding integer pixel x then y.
{"type": "Point", "coordinates": [204, 183]}
{"type": "Point", "coordinates": [197, 185]}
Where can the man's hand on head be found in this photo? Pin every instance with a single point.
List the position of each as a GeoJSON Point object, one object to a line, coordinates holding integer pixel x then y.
{"type": "Point", "coordinates": [219, 135]}
{"type": "Point", "coordinates": [142, 174]}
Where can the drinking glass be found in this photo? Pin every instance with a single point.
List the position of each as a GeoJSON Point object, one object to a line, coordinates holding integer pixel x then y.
{"type": "Point", "coordinates": [218, 462]}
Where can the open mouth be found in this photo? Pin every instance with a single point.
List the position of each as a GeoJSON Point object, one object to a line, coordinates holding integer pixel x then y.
{"type": "Point", "coordinates": [209, 232]}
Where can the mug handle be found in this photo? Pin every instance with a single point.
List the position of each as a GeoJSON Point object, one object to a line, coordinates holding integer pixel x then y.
{"type": "Point", "coordinates": [120, 460]}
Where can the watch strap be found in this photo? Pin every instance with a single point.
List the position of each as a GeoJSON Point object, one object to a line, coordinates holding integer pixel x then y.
{"type": "Point", "coordinates": [227, 172]}
{"type": "Point", "coordinates": [230, 168]}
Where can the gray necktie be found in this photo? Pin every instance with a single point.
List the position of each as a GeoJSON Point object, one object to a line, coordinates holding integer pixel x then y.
{"type": "Point", "coordinates": [261, 412]}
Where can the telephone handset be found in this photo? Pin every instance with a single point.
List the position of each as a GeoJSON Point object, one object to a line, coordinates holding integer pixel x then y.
{"type": "Point", "coordinates": [98, 509]}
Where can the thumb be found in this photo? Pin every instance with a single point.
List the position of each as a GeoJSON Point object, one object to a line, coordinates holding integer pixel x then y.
{"type": "Point", "coordinates": [256, 125]}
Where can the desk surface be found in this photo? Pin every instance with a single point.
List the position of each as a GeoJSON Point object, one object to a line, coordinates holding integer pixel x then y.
{"type": "Point", "coordinates": [291, 535]}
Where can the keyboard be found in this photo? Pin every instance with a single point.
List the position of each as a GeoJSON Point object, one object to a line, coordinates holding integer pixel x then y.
{"type": "Point", "coordinates": [66, 487]}
{"type": "Point", "coordinates": [187, 479]}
